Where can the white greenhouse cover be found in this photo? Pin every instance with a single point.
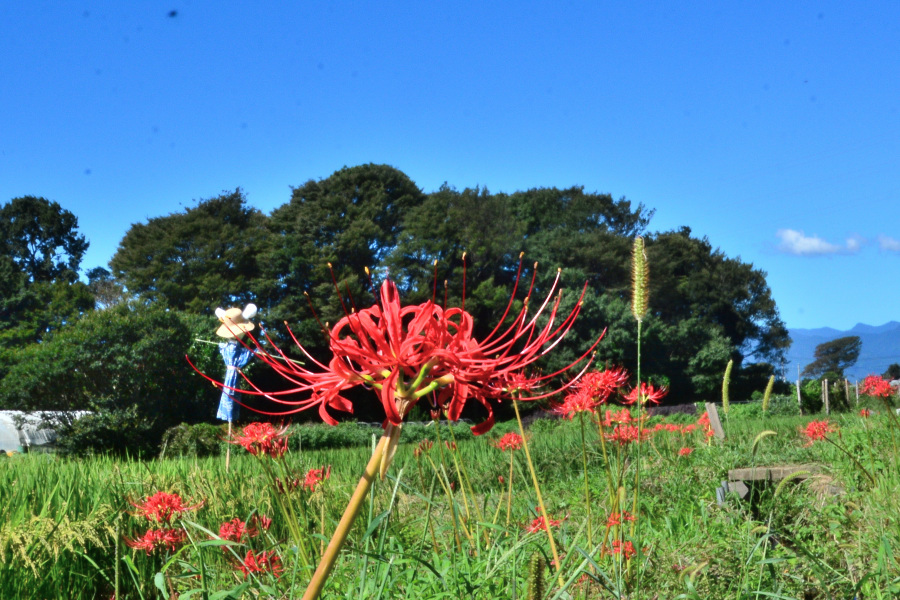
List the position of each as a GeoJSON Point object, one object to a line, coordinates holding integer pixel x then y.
{"type": "Point", "coordinates": [31, 433]}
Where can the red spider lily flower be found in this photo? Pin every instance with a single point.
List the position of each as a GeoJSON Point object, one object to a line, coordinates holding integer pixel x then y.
{"type": "Point", "coordinates": [155, 539]}
{"type": "Point", "coordinates": [575, 402]}
{"type": "Point", "coordinates": [510, 441]}
{"type": "Point", "coordinates": [685, 451]}
{"type": "Point", "coordinates": [622, 416]}
{"type": "Point", "coordinates": [865, 413]}
{"type": "Point", "coordinates": [423, 447]}
{"type": "Point", "coordinates": [316, 476]}
{"type": "Point", "coordinates": [539, 525]}
{"type": "Point", "coordinates": [234, 530]}
{"type": "Point", "coordinates": [689, 429]}
{"type": "Point", "coordinates": [406, 353]}
{"type": "Point", "coordinates": [617, 518]}
{"type": "Point", "coordinates": [262, 439]}
{"type": "Point", "coordinates": [451, 446]}
{"type": "Point", "coordinates": [262, 521]}
{"type": "Point", "coordinates": [603, 384]}
{"type": "Point", "coordinates": [162, 506]}
{"type": "Point", "coordinates": [627, 434]}
{"type": "Point", "coordinates": [501, 479]}
{"type": "Point", "coordinates": [261, 563]}
{"type": "Point", "coordinates": [818, 430]}
{"type": "Point", "coordinates": [626, 548]}
{"type": "Point", "coordinates": [873, 385]}
{"type": "Point", "coordinates": [648, 393]}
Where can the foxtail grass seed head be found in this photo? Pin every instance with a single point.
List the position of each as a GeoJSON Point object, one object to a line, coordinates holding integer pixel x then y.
{"type": "Point", "coordinates": [768, 395]}
{"type": "Point", "coordinates": [726, 381]}
{"type": "Point", "coordinates": [639, 280]}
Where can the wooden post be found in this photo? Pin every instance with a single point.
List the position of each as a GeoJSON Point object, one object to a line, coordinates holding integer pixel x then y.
{"type": "Point", "coordinates": [799, 398]}
{"type": "Point", "coordinates": [714, 421]}
{"type": "Point", "coordinates": [847, 391]}
{"type": "Point", "coordinates": [857, 392]}
{"type": "Point", "coordinates": [825, 396]}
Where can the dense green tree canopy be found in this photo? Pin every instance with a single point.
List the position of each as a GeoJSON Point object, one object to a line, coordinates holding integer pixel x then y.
{"type": "Point", "coordinates": [195, 260]}
{"type": "Point", "coordinates": [834, 356]}
{"type": "Point", "coordinates": [40, 252]}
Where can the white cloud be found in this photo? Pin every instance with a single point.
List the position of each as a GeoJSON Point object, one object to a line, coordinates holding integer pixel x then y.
{"type": "Point", "coordinates": [796, 242]}
{"type": "Point", "coordinates": [888, 243]}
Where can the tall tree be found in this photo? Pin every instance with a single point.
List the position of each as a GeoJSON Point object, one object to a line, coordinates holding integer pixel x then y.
{"type": "Point", "coordinates": [194, 260]}
{"type": "Point", "coordinates": [40, 253]}
{"type": "Point", "coordinates": [351, 220]}
{"type": "Point", "coordinates": [834, 356]}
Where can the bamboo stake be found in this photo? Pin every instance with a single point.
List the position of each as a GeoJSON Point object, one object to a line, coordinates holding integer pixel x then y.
{"type": "Point", "coordinates": [343, 528]}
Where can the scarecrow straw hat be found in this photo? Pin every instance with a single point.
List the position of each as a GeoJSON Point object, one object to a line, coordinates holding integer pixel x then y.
{"type": "Point", "coordinates": [235, 322]}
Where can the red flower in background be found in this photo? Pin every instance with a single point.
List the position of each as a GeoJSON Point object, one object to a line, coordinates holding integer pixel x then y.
{"type": "Point", "coordinates": [685, 451]}
{"type": "Point", "coordinates": [627, 434]}
{"type": "Point", "coordinates": [262, 439]}
{"type": "Point", "coordinates": [626, 548]}
{"type": "Point", "coordinates": [261, 563]}
{"type": "Point", "coordinates": [162, 506]}
{"type": "Point", "coordinates": [315, 476]}
{"type": "Point", "coordinates": [405, 353]}
{"type": "Point", "coordinates": [818, 430]}
{"type": "Point", "coordinates": [873, 385]}
{"type": "Point", "coordinates": [617, 518]}
{"type": "Point", "coordinates": [603, 384]}
{"type": "Point", "coordinates": [539, 525]}
{"type": "Point", "coordinates": [621, 416]}
{"type": "Point", "coordinates": [865, 413]}
{"type": "Point", "coordinates": [510, 441]}
{"type": "Point", "coordinates": [648, 393]}
{"type": "Point", "coordinates": [575, 402]}
{"type": "Point", "coordinates": [155, 539]}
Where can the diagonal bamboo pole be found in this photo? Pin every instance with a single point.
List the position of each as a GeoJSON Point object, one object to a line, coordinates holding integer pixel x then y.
{"type": "Point", "coordinates": [343, 528]}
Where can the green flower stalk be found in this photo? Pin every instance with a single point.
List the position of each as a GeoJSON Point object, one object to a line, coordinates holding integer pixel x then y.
{"type": "Point", "coordinates": [768, 395]}
{"type": "Point", "coordinates": [726, 381]}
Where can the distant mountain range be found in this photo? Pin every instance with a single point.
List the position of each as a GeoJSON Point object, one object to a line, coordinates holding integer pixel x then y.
{"type": "Point", "coordinates": [880, 348]}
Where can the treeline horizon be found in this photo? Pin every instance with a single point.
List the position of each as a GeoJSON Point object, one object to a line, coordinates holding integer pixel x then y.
{"type": "Point", "coordinates": [705, 308]}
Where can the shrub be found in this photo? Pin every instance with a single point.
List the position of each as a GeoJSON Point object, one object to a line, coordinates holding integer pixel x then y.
{"type": "Point", "coordinates": [202, 439]}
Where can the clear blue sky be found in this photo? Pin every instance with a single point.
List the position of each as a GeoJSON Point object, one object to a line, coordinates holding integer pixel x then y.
{"type": "Point", "coordinates": [772, 128]}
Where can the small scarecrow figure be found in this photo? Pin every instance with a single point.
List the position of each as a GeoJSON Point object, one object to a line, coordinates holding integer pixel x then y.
{"type": "Point", "coordinates": [235, 323]}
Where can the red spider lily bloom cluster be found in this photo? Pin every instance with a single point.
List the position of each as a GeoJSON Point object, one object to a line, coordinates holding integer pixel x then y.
{"type": "Point", "coordinates": [407, 352]}
{"type": "Point", "coordinates": [162, 506]}
{"type": "Point", "coordinates": [647, 393]}
{"type": "Point", "coordinates": [617, 518]}
{"type": "Point", "coordinates": [865, 413]}
{"type": "Point", "coordinates": [315, 476]}
{"type": "Point", "coordinates": [685, 451]}
{"type": "Point", "coordinates": [627, 434]}
{"type": "Point", "coordinates": [592, 390]}
{"type": "Point", "coordinates": [423, 447]}
{"type": "Point", "coordinates": [236, 530]}
{"type": "Point", "coordinates": [621, 416]}
{"type": "Point", "coordinates": [818, 430]}
{"type": "Point", "coordinates": [262, 439]}
{"type": "Point", "coordinates": [873, 385]}
{"type": "Point", "coordinates": [155, 539]}
{"type": "Point", "coordinates": [540, 525]}
{"type": "Point", "coordinates": [510, 441]}
{"type": "Point", "coordinates": [703, 422]}
{"type": "Point", "coordinates": [626, 548]}
{"type": "Point", "coordinates": [261, 562]}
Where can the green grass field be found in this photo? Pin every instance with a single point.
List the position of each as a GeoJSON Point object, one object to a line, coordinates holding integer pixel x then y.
{"type": "Point", "coordinates": [62, 521]}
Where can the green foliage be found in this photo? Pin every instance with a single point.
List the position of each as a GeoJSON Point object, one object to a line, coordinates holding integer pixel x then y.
{"type": "Point", "coordinates": [126, 364]}
{"type": "Point", "coordinates": [40, 251]}
{"type": "Point", "coordinates": [204, 257]}
{"type": "Point", "coordinates": [202, 439]}
{"type": "Point", "coordinates": [811, 395]}
{"type": "Point", "coordinates": [893, 372]}
{"type": "Point", "coordinates": [833, 357]}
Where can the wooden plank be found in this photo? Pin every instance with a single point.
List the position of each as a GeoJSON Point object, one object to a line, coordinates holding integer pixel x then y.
{"type": "Point", "coordinates": [771, 473]}
{"type": "Point", "coordinates": [714, 421]}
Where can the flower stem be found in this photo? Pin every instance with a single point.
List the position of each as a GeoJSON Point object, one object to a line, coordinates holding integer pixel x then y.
{"type": "Point", "coordinates": [329, 558]}
{"type": "Point", "coordinates": [540, 498]}
{"type": "Point", "coordinates": [587, 490]}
